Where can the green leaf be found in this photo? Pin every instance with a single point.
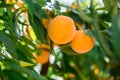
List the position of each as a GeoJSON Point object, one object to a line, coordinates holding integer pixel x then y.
{"type": "Point", "coordinates": [40, 2]}
{"type": "Point", "coordinates": [32, 34]}
{"type": "Point", "coordinates": [25, 49]}
{"type": "Point", "coordinates": [28, 41]}
{"type": "Point", "coordinates": [13, 75]}
{"type": "Point", "coordinates": [70, 8]}
{"type": "Point", "coordinates": [106, 2]}
{"type": "Point", "coordinates": [1, 26]}
{"type": "Point", "coordinates": [30, 73]}
{"type": "Point", "coordinates": [39, 29]}
{"type": "Point", "coordinates": [116, 34]}
{"type": "Point", "coordinates": [2, 10]}
{"type": "Point", "coordinates": [75, 17]}
{"type": "Point", "coordinates": [5, 17]}
{"type": "Point", "coordinates": [103, 25]}
{"type": "Point", "coordinates": [39, 12]}
{"type": "Point", "coordinates": [29, 4]}
{"type": "Point", "coordinates": [8, 43]}
{"type": "Point", "coordinates": [8, 10]}
{"type": "Point", "coordinates": [25, 64]}
{"type": "Point", "coordinates": [105, 17]}
{"type": "Point", "coordinates": [2, 76]}
{"type": "Point", "coordinates": [109, 3]}
{"type": "Point", "coordinates": [67, 49]}
{"type": "Point", "coordinates": [7, 24]}
{"type": "Point", "coordinates": [34, 74]}
{"type": "Point", "coordinates": [98, 56]}
{"type": "Point", "coordinates": [23, 55]}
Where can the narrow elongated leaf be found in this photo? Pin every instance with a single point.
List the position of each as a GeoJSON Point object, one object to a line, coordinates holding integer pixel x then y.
{"type": "Point", "coordinates": [75, 17]}
{"type": "Point", "coordinates": [24, 52]}
{"type": "Point", "coordinates": [13, 75]}
{"type": "Point", "coordinates": [28, 41]}
{"type": "Point", "coordinates": [19, 69]}
{"type": "Point", "coordinates": [67, 49]}
{"type": "Point", "coordinates": [38, 29]}
{"type": "Point", "coordinates": [29, 4]}
{"type": "Point", "coordinates": [24, 64]}
{"type": "Point", "coordinates": [8, 43]}
{"type": "Point", "coordinates": [39, 12]}
{"type": "Point", "coordinates": [116, 34]}
{"type": "Point", "coordinates": [22, 55]}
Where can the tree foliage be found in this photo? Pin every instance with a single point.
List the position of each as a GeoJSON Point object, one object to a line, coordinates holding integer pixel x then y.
{"type": "Point", "coordinates": [18, 43]}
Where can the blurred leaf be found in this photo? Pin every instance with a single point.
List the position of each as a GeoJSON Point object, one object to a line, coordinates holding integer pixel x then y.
{"type": "Point", "coordinates": [41, 2]}
{"type": "Point", "coordinates": [105, 17]}
{"type": "Point", "coordinates": [5, 17]}
{"type": "Point", "coordinates": [24, 64]}
{"type": "Point", "coordinates": [29, 4]}
{"type": "Point", "coordinates": [38, 29]}
{"type": "Point", "coordinates": [75, 17]}
{"type": "Point", "coordinates": [98, 57]}
{"type": "Point", "coordinates": [13, 75]}
{"type": "Point", "coordinates": [106, 2]}
{"type": "Point", "coordinates": [39, 12]}
{"type": "Point", "coordinates": [2, 26]}
{"type": "Point", "coordinates": [2, 76]}
{"type": "Point", "coordinates": [103, 25]}
{"type": "Point", "coordinates": [23, 55]}
{"type": "Point", "coordinates": [48, 0]}
{"type": "Point", "coordinates": [34, 74]}
{"type": "Point", "coordinates": [110, 2]}
{"type": "Point", "coordinates": [8, 10]}
{"type": "Point", "coordinates": [82, 14]}
{"type": "Point", "coordinates": [31, 73]}
{"type": "Point", "coordinates": [8, 24]}
{"type": "Point", "coordinates": [67, 59]}
{"type": "Point", "coordinates": [70, 8]}
{"type": "Point", "coordinates": [27, 41]}
{"type": "Point", "coordinates": [115, 34]}
{"type": "Point", "coordinates": [67, 49]}
{"type": "Point", "coordinates": [2, 10]}
{"type": "Point", "coordinates": [56, 11]}
{"type": "Point", "coordinates": [32, 34]}
{"type": "Point", "coordinates": [8, 43]}
{"type": "Point", "coordinates": [99, 36]}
